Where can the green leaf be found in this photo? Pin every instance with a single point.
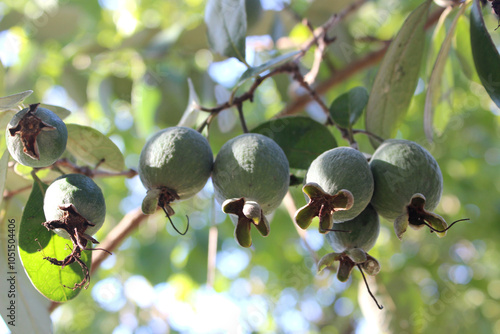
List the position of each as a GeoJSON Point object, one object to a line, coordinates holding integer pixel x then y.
{"type": "Point", "coordinates": [59, 111]}
{"type": "Point", "coordinates": [485, 53]}
{"type": "Point", "coordinates": [348, 107]}
{"type": "Point", "coordinates": [226, 22]}
{"type": "Point", "coordinates": [190, 115]}
{"type": "Point", "coordinates": [2, 78]}
{"type": "Point", "coordinates": [397, 77]}
{"type": "Point", "coordinates": [36, 242]}
{"type": "Point", "coordinates": [4, 164]}
{"type": "Point", "coordinates": [93, 148]}
{"type": "Point", "coordinates": [252, 72]}
{"type": "Point", "coordinates": [145, 101]}
{"type": "Point", "coordinates": [301, 138]}
{"type": "Point", "coordinates": [12, 101]}
{"type": "Point", "coordinates": [434, 88]}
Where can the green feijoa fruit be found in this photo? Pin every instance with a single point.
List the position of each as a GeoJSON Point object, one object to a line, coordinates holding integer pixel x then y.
{"type": "Point", "coordinates": [175, 163]}
{"type": "Point", "coordinates": [74, 195]}
{"type": "Point", "coordinates": [339, 185]}
{"type": "Point", "coordinates": [36, 137]}
{"type": "Point", "coordinates": [408, 186]}
{"type": "Point", "coordinates": [251, 176]}
{"type": "Point", "coordinates": [363, 232]}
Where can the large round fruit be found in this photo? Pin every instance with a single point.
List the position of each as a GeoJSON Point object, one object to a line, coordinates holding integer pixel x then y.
{"type": "Point", "coordinates": [36, 137]}
{"type": "Point", "coordinates": [254, 167]}
{"type": "Point", "coordinates": [402, 169]}
{"type": "Point", "coordinates": [80, 191]}
{"type": "Point", "coordinates": [177, 159]}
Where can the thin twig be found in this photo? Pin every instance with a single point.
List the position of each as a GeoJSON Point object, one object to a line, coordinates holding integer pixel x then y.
{"type": "Point", "coordinates": [242, 118]}
{"type": "Point", "coordinates": [8, 194]}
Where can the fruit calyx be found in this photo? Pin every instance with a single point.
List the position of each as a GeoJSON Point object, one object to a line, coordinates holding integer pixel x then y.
{"type": "Point", "coordinates": [162, 197]}
{"type": "Point", "coordinates": [322, 205]}
{"type": "Point", "coordinates": [416, 216]}
{"type": "Point", "coordinates": [28, 128]}
{"type": "Point", "coordinates": [75, 225]}
{"type": "Point", "coordinates": [248, 212]}
{"type": "Point", "coordinates": [347, 260]}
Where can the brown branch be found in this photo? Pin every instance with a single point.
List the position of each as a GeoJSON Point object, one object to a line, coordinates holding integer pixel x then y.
{"type": "Point", "coordinates": [350, 70]}
{"type": "Point", "coordinates": [8, 194]}
{"type": "Point", "coordinates": [92, 172]}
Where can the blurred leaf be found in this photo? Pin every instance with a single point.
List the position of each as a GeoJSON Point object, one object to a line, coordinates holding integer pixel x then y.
{"type": "Point", "coordinates": [5, 118]}
{"type": "Point", "coordinates": [4, 163]}
{"type": "Point", "coordinates": [301, 138]}
{"type": "Point", "coordinates": [485, 53]}
{"type": "Point", "coordinates": [190, 115]}
{"type": "Point", "coordinates": [275, 62]}
{"type": "Point", "coordinates": [36, 242]}
{"type": "Point", "coordinates": [227, 27]}
{"type": "Point", "coordinates": [2, 78]}
{"type": "Point", "coordinates": [145, 101]}
{"type": "Point", "coordinates": [463, 48]}
{"type": "Point", "coordinates": [348, 107]}
{"type": "Point", "coordinates": [226, 120]}
{"type": "Point", "coordinates": [59, 111]}
{"type": "Point", "coordinates": [434, 86]}
{"type": "Point", "coordinates": [397, 77]}
{"type": "Point", "coordinates": [12, 101]}
{"type": "Point", "coordinates": [93, 148]}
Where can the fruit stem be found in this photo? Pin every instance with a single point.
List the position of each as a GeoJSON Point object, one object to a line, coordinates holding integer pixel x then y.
{"type": "Point", "coordinates": [242, 117]}
{"type": "Point", "coordinates": [173, 225]}
{"type": "Point", "coordinates": [446, 229]}
{"type": "Point", "coordinates": [368, 287]}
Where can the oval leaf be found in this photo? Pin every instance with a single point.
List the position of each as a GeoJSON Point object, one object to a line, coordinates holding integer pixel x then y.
{"type": "Point", "coordinates": [348, 107]}
{"type": "Point", "coordinates": [94, 148]}
{"type": "Point", "coordinates": [397, 77]}
{"type": "Point", "coordinates": [59, 111]}
{"type": "Point", "coordinates": [301, 138]}
{"type": "Point", "coordinates": [434, 89]}
{"type": "Point", "coordinates": [226, 22]}
{"type": "Point", "coordinates": [485, 54]}
{"type": "Point", "coordinates": [12, 101]}
{"type": "Point", "coordinates": [36, 242]}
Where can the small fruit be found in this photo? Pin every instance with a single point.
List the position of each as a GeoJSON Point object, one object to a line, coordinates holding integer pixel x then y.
{"type": "Point", "coordinates": [408, 186]}
{"type": "Point", "coordinates": [174, 164]}
{"type": "Point", "coordinates": [74, 208]}
{"type": "Point", "coordinates": [36, 137]}
{"type": "Point", "coordinates": [339, 185]}
{"type": "Point", "coordinates": [351, 249]}
{"type": "Point", "coordinates": [251, 176]}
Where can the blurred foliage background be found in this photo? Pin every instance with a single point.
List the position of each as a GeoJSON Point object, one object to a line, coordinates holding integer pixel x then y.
{"type": "Point", "coordinates": [122, 67]}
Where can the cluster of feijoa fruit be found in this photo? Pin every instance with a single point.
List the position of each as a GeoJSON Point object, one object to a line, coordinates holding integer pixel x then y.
{"type": "Point", "coordinates": [401, 182]}
{"type": "Point", "coordinates": [250, 175]}
{"type": "Point", "coordinates": [73, 206]}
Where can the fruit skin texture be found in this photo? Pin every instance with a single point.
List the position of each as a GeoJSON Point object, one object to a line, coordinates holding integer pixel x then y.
{"type": "Point", "coordinates": [51, 144]}
{"type": "Point", "coordinates": [83, 193]}
{"type": "Point", "coordinates": [254, 167]}
{"type": "Point", "coordinates": [364, 230]}
{"type": "Point", "coordinates": [401, 169]}
{"type": "Point", "coordinates": [178, 158]}
{"type": "Point", "coordinates": [343, 168]}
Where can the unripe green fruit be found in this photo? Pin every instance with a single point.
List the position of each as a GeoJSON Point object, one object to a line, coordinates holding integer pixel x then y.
{"type": "Point", "coordinates": [364, 230]}
{"type": "Point", "coordinates": [83, 193]}
{"type": "Point", "coordinates": [401, 169]}
{"type": "Point", "coordinates": [251, 176]}
{"type": "Point", "coordinates": [36, 137]}
{"type": "Point", "coordinates": [176, 161]}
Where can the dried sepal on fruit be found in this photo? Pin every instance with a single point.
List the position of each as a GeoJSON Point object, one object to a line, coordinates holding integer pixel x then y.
{"type": "Point", "coordinates": [251, 177]}
{"type": "Point", "coordinates": [75, 209]}
{"type": "Point", "coordinates": [339, 185]}
{"type": "Point", "coordinates": [175, 164]}
{"type": "Point", "coordinates": [351, 248]}
{"type": "Point", "coordinates": [36, 137]}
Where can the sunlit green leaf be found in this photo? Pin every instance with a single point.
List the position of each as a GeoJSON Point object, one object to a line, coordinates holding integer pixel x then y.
{"type": "Point", "coordinates": [397, 76]}
{"type": "Point", "coordinates": [348, 107]}
{"type": "Point", "coordinates": [434, 87]}
{"type": "Point", "coordinates": [301, 138]}
{"type": "Point", "coordinates": [59, 111]}
{"type": "Point", "coordinates": [226, 22]}
{"type": "Point", "coordinates": [12, 101]}
{"type": "Point", "coordinates": [145, 101]}
{"type": "Point", "coordinates": [485, 53]}
{"type": "Point", "coordinates": [93, 148]}
{"type": "Point", "coordinates": [36, 242]}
